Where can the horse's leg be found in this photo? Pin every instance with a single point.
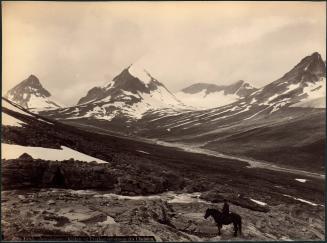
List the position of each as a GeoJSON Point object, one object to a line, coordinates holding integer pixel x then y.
{"type": "Point", "coordinates": [219, 227]}
{"type": "Point", "coordinates": [235, 228]}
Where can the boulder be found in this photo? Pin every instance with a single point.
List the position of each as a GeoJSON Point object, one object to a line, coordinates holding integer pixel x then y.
{"type": "Point", "coordinates": [25, 156]}
{"type": "Point", "coordinates": [51, 202]}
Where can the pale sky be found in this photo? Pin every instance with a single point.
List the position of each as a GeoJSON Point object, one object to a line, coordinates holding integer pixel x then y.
{"type": "Point", "coordinates": [72, 47]}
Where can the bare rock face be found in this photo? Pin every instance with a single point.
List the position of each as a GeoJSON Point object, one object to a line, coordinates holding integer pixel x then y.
{"type": "Point", "coordinates": [38, 173]}
{"type": "Point", "coordinates": [81, 175]}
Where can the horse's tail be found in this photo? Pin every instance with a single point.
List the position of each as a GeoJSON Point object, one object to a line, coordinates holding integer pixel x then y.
{"type": "Point", "coordinates": [240, 226]}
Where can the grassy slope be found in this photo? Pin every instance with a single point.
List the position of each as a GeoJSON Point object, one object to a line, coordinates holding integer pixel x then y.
{"type": "Point", "coordinates": [298, 142]}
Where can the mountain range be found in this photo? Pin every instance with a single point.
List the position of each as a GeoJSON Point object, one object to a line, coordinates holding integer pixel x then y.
{"type": "Point", "coordinates": [205, 95]}
{"type": "Point", "coordinates": [134, 92]}
{"type": "Point", "coordinates": [268, 123]}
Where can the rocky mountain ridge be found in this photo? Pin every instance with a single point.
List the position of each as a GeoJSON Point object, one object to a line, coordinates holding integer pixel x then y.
{"type": "Point", "coordinates": [206, 95]}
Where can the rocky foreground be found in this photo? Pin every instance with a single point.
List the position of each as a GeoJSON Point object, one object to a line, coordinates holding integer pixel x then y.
{"type": "Point", "coordinates": [168, 216]}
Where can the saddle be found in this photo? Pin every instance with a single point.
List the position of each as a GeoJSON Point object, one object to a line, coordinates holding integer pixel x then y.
{"type": "Point", "coordinates": [226, 217]}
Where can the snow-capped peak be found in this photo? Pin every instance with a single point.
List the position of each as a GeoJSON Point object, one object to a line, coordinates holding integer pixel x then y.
{"type": "Point", "coordinates": [140, 74]}
{"type": "Point", "coordinates": [30, 94]}
{"type": "Point", "coordinates": [132, 93]}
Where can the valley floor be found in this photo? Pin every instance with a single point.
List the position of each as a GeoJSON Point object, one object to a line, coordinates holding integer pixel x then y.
{"type": "Point", "coordinates": [253, 163]}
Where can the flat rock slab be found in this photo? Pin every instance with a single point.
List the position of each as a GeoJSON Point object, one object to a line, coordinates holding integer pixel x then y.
{"type": "Point", "coordinates": [84, 213]}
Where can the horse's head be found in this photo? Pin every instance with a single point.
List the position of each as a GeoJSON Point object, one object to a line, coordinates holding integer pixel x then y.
{"type": "Point", "coordinates": [208, 213]}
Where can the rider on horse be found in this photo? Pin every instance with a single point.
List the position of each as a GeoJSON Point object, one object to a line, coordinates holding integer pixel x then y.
{"type": "Point", "coordinates": [225, 209]}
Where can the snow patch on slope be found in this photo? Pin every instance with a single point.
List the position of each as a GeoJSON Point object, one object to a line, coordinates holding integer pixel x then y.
{"type": "Point", "coordinates": [316, 95]}
{"type": "Point", "coordinates": [258, 202]}
{"type": "Point", "coordinates": [13, 151]}
{"type": "Point", "coordinates": [301, 200]}
{"type": "Point", "coordinates": [301, 180]}
{"type": "Point", "coordinates": [159, 98]}
{"type": "Point", "coordinates": [38, 102]}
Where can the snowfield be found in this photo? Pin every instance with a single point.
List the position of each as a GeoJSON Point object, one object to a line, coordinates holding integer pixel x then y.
{"type": "Point", "coordinates": [13, 151]}
{"type": "Point", "coordinates": [39, 102]}
{"type": "Point", "coordinates": [316, 95]}
{"type": "Point", "coordinates": [202, 100]}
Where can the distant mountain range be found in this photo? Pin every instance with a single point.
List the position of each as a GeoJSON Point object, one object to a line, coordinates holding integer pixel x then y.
{"type": "Point", "coordinates": [303, 86]}
{"type": "Point", "coordinates": [204, 95]}
{"type": "Point", "coordinates": [285, 117]}
{"type": "Point", "coordinates": [134, 93]}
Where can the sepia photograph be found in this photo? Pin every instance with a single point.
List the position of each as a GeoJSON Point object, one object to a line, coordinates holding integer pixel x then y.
{"type": "Point", "coordinates": [163, 121]}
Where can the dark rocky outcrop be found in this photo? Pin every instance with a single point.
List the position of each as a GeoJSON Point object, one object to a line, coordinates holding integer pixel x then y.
{"type": "Point", "coordinates": [240, 88]}
{"type": "Point", "coordinates": [125, 180]}
{"type": "Point", "coordinates": [70, 174]}
{"type": "Point", "coordinates": [25, 156]}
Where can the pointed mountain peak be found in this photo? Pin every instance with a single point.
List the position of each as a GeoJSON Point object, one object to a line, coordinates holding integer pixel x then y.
{"type": "Point", "coordinates": [132, 79]}
{"type": "Point", "coordinates": [132, 92]}
{"type": "Point", "coordinates": [30, 94]}
{"type": "Point", "coordinates": [30, 85]}
{"type": "Point", "coordinates": [132, 85]}
{"type": "Point", "coordinates": [32, 77]}
{"type": "Point", "coordinates": [311, 67]}
{"type": "Point", "coordinates": [31, 81]}
{"type": "Point", "coordinates": [314, 58]}
{"type": "Point", "coordinates": [316, 55]}
{"type": "Point", "coordinates": [140, 73]}
{"type": "Point", "coordinates": [312, 64]}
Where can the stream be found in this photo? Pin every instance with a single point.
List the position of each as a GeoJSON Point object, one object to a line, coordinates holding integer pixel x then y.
{"type": "Point", "coordinates": [252, 163]}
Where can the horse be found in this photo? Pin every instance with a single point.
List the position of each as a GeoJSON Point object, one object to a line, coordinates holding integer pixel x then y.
{"type": "Point", "coordinates": [221, 220]}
